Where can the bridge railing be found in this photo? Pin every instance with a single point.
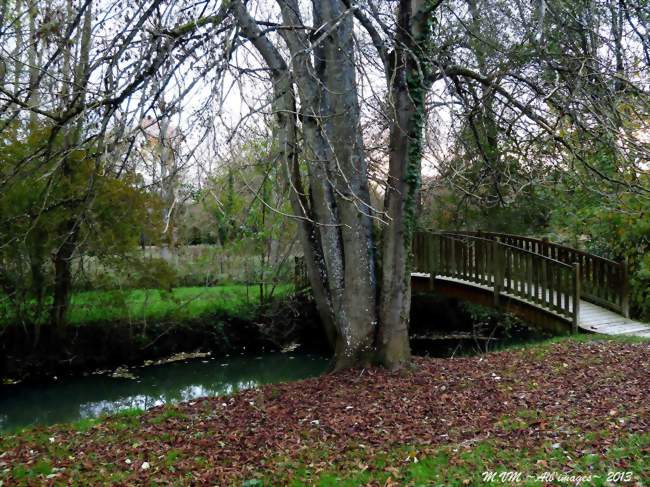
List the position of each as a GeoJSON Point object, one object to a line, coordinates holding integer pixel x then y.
{"type": "Point", "coordinates": [507, 269]}
{"type": "Point", "coordinates": [603, 281]}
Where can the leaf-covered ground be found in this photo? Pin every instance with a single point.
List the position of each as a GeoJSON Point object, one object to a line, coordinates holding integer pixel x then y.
{"type": "Point", "coordinates": [575, 407]}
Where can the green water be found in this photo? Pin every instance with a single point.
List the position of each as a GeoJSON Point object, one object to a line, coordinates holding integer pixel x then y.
{"type": "Point", "coordinates": [76, 398]}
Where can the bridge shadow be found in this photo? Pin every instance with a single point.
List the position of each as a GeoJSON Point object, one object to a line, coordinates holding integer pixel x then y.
{"type": "Point", "coordinates": [546, 320]}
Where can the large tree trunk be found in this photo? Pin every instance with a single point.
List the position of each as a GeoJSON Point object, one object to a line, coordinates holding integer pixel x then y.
{"type": "Point", "coordinates": [340, 119]}
{"type": "Point", "coordinates": [407, 90]}
{"type": "Point", "coordinates": [284, 108]}
{"type": "Point", "coordinates": [336, 216]}
{"type": "Point", "coordinates": [338, 178]}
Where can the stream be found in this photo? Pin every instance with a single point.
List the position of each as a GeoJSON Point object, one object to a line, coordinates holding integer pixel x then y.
{"type": "Point", "coordinates": [75, 398]}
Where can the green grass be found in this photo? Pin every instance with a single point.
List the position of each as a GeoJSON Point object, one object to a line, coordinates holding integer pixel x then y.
{"type": "Point", "coordinates": [236, 300]}
{"type": "Point", "coordinates": [458, 465]}
{"type": "Point", "coordinates": [155, 304]}
{"type": "Point", "coordinates": [540, 346]}
{"type": "Point", "coordinates": [35, 433]}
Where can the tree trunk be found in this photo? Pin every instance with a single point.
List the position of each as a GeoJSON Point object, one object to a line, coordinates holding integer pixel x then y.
{"type": "Point", "coordinates": [407, 92]}
{"type": "Point", "coordinates": [336, 216]}
{"type": "Point", "coordinates": [63, 276]}
{"type": "Point", "coordinates": [335, 176]}
{"type": "Point", "coordinates": [33, 99]}
{"type": "Point", "coordinates": [340, 119]}
{"type": "Point", "coordinates": [284, 108]}
{"type": "Point", "coordinates": [69, 229]}
{"type": "Point", "coordinates": [18, 49]}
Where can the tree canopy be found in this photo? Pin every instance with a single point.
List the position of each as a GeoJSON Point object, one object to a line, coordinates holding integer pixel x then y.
{"type": "Point", "coordinates": [372, 119]}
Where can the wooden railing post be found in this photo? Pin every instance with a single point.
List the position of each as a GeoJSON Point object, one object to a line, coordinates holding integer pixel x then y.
{"type": "Point", "coordinates": [497, 270]}
{"type": "Point", "coordinates": [434, 256]}
{"type": "Point", "coordinates": [544, 247]}
{"type": "Point", "coordinates": [576, 296]}
{"type": "Point", "coordinates": [625, 289]}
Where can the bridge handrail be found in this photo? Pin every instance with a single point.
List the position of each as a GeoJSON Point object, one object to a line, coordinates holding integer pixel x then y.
{"type": "Point", "coordinates": [543, 241]}
{"type": "Point", "coordinates": [603, 281]}
{"type": "Point", "coordinates": [506, 245]}
{"type": "Point", "coordinates": [506, 269]}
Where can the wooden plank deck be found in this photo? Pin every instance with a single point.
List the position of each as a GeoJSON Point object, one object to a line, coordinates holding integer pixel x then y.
{"type": "Point", "coordinates": [597, 319]}
{"type": "Point", "coordinates": [591, 317]}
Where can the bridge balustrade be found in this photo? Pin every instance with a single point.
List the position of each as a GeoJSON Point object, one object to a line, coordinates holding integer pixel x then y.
{"type": "Point", "coordinates": [602, 281]}
{"type": "Point", "coordinates": [506, 269]}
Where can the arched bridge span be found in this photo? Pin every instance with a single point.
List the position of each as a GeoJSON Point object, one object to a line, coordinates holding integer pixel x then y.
{"type": "Point", "coordinates": [546, 283]}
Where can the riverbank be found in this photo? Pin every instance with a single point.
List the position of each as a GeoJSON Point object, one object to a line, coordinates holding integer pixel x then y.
{"type": "Point", "coordinates": [110, 329]}
{"type": "Point", "coordinates": [141, 305]}
{"type": "Point", "coordinates": [576, 406]}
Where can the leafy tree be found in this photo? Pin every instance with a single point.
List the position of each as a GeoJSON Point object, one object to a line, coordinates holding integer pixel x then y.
{"type": "Point", "coordinates": [42, 199]}
{"type": "Point", "coordinates": [248, 202]}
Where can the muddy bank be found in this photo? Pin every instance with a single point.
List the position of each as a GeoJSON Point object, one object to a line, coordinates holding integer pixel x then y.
{"type": "Point", "coordinates": [28, 353]}
{"type": "Point", "coordinates": [440, 327]}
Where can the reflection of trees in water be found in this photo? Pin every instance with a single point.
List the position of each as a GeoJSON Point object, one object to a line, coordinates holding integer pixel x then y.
{"type": "Point", "coordinates": [94, 409]}
{"type": "Point", "coordinates": [90, 396]}
{"type": "Point", "coordinates": [142, 401]}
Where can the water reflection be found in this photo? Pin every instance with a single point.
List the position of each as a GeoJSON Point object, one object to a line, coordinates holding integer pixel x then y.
{"type": "Point", "coordinates": [87, 397]}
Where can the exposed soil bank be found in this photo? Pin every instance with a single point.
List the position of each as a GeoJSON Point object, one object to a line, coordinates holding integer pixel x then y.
{"type": "Point", "coordinates": [110, 344]}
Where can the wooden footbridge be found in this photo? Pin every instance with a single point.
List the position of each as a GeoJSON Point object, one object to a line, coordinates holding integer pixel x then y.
{"type": "Point", "coordinates": [545, 283]}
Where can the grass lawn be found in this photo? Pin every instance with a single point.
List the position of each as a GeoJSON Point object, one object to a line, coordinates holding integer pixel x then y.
{"type": "Point", "coordinates": [563, 412]}
{"type": "Point", "coordinates": [235, 300]}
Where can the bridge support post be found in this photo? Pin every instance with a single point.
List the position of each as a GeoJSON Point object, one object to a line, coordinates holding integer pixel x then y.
{"type": "Point", "coordinates": [544, 247]}
{"type": "Point", "coordinates": [625, 289]}
{"type": "Point", "coordinates": [497, 270]}
{"type": "Point", "coordinates": [576, 296]}
{"type": "Point", "coordinates": [433, 256]}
